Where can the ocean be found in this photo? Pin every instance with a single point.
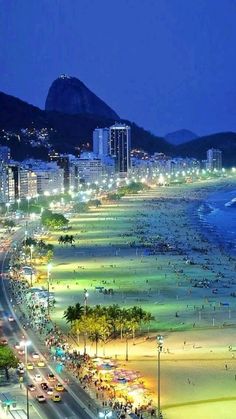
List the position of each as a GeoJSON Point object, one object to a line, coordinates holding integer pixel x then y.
{"type": "Point", "coordinates": [220, 219]}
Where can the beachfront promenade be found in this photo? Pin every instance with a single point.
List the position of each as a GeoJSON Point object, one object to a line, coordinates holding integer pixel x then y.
{"type": "Point", "coordinates": [152, 251]}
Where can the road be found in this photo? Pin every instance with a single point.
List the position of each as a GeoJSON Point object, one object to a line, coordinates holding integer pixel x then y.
{"type": "Point", "coordinates": [74, 403]}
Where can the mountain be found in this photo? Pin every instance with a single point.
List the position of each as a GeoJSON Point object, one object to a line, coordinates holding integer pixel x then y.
{"type": "Point", "coordinates": [69, 133]}
{"type": "Point", "coordinates": [181, 136]}
{"type": "Point", "coordinates": [225, 141]}
{"type": "Point", "coordinates": [70, 96]}
{"type": "Point", "coordinates": [66, 133]}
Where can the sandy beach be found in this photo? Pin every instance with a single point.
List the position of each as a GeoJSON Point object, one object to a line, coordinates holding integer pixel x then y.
{"type": "Point", "coordinates": [152, 250]}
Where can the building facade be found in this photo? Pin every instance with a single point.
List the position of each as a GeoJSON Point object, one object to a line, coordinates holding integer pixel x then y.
{"type": "Point", "coordinates": [214, 159]}
{"type": "Point", "coordinates": [119, 147]}
{"type": "Point", "coordinates": [101, 141]}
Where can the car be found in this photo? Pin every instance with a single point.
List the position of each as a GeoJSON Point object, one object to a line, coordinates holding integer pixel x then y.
{"type": "Point", "coordinates": [41, 363]}
{"type": "Point", "coordinates": [56, 398]}
{"type": "Point", "coordinates": [59, 387]}
{"type": "Point", "coordinates": [11, 319]}
{"type": "Point", "coordinates": [38, 378]}
{"type": "Point", "coordinates": [31, 387]}
{"type": "Point", "coordinates": [30, 366]}
{"type": "Point", "coordinates": [50, 391]}
{"type": "Point", "coordinates": [51, 377]}
{"type": "Point", "coordinates": [3, 341]}
{"type": "Point", "coordinates": [40, 398]}
{"type": "Point", "coordinates": [35, 355]}
{"type": "Point", "coordinates": [44, 386]}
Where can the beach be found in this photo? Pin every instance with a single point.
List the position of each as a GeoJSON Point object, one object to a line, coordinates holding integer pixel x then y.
{"type": "Point", "coordinates": [153, 250]}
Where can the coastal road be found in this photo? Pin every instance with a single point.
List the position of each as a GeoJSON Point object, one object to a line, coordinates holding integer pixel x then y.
{"type": "Point", "coordinates": [71, 406]}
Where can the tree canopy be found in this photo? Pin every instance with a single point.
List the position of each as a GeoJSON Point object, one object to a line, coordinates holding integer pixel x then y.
{"type": "Point", "coordinates": [7, 359]}
{"type": "Point", "coordinates": [101, 323]}
{"type": "Point", "coordinates": [53, 220]}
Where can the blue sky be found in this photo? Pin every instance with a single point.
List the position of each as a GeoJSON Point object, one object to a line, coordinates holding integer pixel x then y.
{"type": "Point", "coordinates": [165, 64]}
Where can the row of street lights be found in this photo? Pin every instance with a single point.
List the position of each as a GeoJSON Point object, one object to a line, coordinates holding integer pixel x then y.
{"type": "Point", "coordinates": [25, 344]}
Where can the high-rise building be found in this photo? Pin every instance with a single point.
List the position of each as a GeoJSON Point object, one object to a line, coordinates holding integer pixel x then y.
{"type": "Point", "coordinates": [63, 161]}
{"type": "Point", "coordinates": [101, 141]}
{"type": "Point", "coordinates": [5, 154]}
{"type": "Point", "coordinates": [50, 177]}
{"type": "Point", "coordinates": [214, 159]}
{"type": "Point", "coordinates": [14, 188]}
{"type": "Point", "coordinates": [3, 182]}
{"type": "Point", "coordinates": [27, 183]}
{"type": "Point", "coordinates": [119, 147]}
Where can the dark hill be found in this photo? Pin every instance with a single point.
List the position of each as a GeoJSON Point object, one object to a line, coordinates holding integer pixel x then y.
{"type": "Point", "coordinates": [225, 141]}
{"type": "Point", "coordinates": [15, 113]}
{"type": "Point", "coordinates": [181, 136]}
{"type": "Point", "coordinates": [66, 132]}
{"type": "Point", "coordinates": [70, 96]}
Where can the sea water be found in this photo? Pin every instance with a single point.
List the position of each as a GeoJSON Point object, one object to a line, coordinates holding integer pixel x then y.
{"type": "Point", "coordinates": [219, 216]}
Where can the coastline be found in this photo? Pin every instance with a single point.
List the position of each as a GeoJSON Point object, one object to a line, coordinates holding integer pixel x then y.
{"type": "Point", "coordinates": [176, 287]}
{"type": "Point", "coordinates": [211, 212]}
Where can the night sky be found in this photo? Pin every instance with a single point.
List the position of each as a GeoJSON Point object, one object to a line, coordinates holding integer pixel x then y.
{"type": "Point", "coordinates": [165, 64]}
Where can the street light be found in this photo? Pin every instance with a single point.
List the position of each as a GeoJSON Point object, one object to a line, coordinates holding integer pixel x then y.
{"type": "Point", "coordinates": [25, 344]}
{"type": "Point", "coordinates": [49, 267]}
{"type": "Point", "coordinates": [105, 414]}
{"type": "Point", "coordinates": [86, 295]}
{"type": "Point", "coordinates": [159, 348]}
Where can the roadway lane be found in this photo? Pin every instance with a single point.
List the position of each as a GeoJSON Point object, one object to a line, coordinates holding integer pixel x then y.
{"type": "Point", "coordinates": [71, 406]}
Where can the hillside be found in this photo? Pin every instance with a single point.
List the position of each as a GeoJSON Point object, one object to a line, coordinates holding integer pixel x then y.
{"type": "Point", "coordinates": [70, 133]}
{"type": "Point", "coordinates": [181, 136]}
{"type": "Point", "coordinates": [225, 141]}
{"type": "Point", "coordinates": [66, 133]}
{"type": "Point", "coordinates": [69, 95]}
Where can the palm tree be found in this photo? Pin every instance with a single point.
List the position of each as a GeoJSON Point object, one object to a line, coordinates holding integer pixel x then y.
{"type": "Point", "coordinates": [137, 315]}
{"type": "Point", "coordinates": [147, 319]}
{"type": "Point", "coordinates": [73, 315]}
{"type": "Point", "coordinates": [127, 330]}
{"type": "Point", "coordinates": [29, 241]}
{"type": "Point", "coordinates": [99, 329]}
{"type": "Point", "coordinates": [114, 314]}
{"type": "Point", "coordinates": [70, 314]}
{"type": "Point", "coordinates": [79, 311]}
{"type": "Point", "coordinates": [61, 240]}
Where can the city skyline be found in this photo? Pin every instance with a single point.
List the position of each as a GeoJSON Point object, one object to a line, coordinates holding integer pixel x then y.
{"type": "Point", "coordinates": [176, 72]}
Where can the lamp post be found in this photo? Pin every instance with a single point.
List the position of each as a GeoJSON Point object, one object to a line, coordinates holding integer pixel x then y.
{"type": "Point", "coordinates": [49, 267]}
{"type": "Point", "coordinates": [159, 349]}
{"type": "Point", "coordinates": [86, 294]}
{"type": "Point", "coordinates": [25, 344]}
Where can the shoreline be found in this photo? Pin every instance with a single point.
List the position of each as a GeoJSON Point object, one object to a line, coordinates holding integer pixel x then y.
{"type": "Point", "coordinates": [173, 290]}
